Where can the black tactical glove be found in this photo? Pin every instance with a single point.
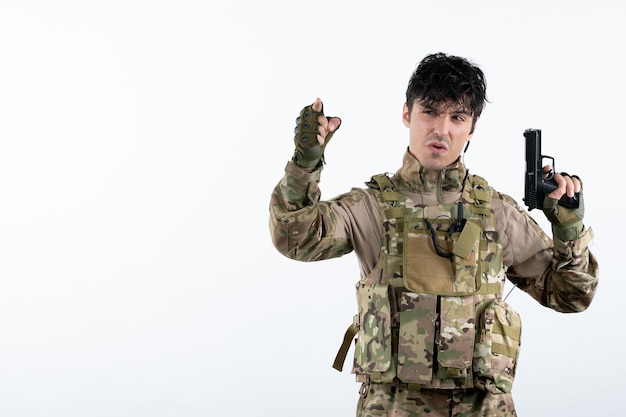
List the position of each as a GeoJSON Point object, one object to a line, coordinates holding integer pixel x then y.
{"type": "Point", "coordinates": [309, 153]}
{"type": "Point", "coordinates": [567, 224]}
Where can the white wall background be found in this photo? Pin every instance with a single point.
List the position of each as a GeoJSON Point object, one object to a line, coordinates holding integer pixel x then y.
{"type": "Point", "coordinates": [140, 142]}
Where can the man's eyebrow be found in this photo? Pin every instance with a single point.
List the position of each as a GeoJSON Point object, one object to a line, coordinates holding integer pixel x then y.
{"type": "Point", "coordinates": [462, 110]}
{"type": "Point", "coordinates": [451, 108]}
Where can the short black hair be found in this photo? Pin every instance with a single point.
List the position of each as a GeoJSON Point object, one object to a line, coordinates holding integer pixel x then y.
{"type": "Point", "coordinates": [441, 78]}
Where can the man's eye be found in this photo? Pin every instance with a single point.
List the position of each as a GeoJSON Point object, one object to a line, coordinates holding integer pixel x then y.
{"type": "Point", "coordinates": [459, 118]}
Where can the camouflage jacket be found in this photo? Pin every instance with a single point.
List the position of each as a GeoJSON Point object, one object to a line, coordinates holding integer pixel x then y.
{"type": "Point", "coordinates": [559, 275]}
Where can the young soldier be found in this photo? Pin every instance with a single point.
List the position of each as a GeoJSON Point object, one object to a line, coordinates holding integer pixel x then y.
{"type": "Point", "coordinates": [435, 245]}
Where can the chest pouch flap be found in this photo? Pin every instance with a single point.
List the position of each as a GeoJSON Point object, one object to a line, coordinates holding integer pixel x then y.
{"type": "Point", "coordinates": [416, 339]}
{"type": "Point", "coordinates": [457, 335]}
{"type": "Point", "coordinates": [449, 268]}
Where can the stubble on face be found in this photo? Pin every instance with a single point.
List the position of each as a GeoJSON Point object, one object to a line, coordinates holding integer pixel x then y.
{"type": "Point", "coordinates": [433, 145]}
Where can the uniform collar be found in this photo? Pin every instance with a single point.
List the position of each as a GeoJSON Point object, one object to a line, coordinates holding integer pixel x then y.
{"type": "Point", "coordinates": [414, 177]}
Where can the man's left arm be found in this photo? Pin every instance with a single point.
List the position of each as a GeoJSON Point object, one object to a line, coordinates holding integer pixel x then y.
{"type": "Point", "coordinates": [561, 273]}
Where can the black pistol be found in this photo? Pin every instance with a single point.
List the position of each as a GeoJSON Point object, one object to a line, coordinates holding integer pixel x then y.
{"type": "Point", "coordinates": [536, 186]}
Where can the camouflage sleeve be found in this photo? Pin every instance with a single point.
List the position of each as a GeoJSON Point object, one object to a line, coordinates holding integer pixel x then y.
{"type": "Point", "coordinates": [561, 275]}
{"type": "Point", "coordinates": [303, 227]}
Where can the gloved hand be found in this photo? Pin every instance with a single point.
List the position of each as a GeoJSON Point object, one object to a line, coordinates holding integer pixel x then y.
{"type": "Point", "coordinates": [567, 224]}
{"type": "Point", "coordinates": [313, 131]}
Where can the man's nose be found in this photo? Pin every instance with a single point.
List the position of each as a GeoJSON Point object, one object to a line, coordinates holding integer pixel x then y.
{"type": "Point", "coordinates": [442, 125]}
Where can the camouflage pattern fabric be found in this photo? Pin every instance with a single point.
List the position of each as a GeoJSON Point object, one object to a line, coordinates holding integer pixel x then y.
{"type": "Point", "coordinates": [386, 400]}
{"type": "Point", "coordinates": [497, 349]}
{"type": "Point", "coordinates": [417, 337]}
{"type": "Point", "coordinates": [298, 235]}
{"type": "Point", "coordinates": [374, 349]}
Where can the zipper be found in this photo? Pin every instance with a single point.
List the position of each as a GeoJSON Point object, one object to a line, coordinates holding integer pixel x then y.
{"type": "Point", "coordinates": [439, 187]}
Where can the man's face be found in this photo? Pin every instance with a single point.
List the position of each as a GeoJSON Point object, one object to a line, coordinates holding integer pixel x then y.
{"type": "Point", "coordinates": [437, 135]}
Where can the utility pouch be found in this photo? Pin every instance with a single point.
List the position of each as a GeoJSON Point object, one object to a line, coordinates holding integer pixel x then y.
{"type": "Point", "coordinates": [372, 354]}
{"type": "Point", "coordinates": [452, 267]}
{"type": "Point", "coordinates": [497, 347]}
{"type": "Point", "coordinates": [455, 341]}
{"type": "Point", "coordinates": [416, 338]}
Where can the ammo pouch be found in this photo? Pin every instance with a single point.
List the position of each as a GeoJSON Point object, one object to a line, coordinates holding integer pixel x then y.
{"type": "Point", "coordinates": [423, 339]}
{"type": "Point", "coordinates": [484, 356]}
{"type": "Point", "coordinates": [373, 351]}
{"type": "Point", "coordinates": [414, 329]}
{"type": "Point", "coordinates": [497, 347]}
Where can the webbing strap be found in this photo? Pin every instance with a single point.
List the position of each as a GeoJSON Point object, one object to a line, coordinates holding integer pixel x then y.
{"type": "Point", "coordinates": [456, 372]}
{"type": "Point", "coordinates": [502, 349]}
{"type": "Point", "coordinates": [490, 288]}
{"type": "Point", "coordinates": [388, 196]}
{"type": "Point", "coordinates": [383, 182]}
{"type": "Point", "coordinates": [506, 331]}
{"type": "Point", "coordinates": [481, 196]}
{"type": "Point", "coordinates": [345, 346]}
{"type": "Point", "coordinates": [376, 376]}
{"type": "Point", "coordinates": [395, 212]}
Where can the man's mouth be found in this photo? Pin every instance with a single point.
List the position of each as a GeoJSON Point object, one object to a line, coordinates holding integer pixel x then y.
{"type": "Point", "coordinates": [438, 147]}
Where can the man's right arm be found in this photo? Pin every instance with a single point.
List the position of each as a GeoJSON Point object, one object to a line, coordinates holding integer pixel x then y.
{"type": "Point", "coordinates": [301, 227]}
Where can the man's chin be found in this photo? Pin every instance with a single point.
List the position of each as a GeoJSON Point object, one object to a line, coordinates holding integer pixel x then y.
{"type": "Point", "coordinates": [435, 162]}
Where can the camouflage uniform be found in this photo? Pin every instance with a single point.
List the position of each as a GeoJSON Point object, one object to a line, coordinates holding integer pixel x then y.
{"type": "Point", "coordinates": [433, 339]}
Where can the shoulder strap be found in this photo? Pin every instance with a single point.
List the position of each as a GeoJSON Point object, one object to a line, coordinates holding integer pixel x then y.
{"type": "Point", "coordinates": [387, 193]}
{"type": "Point", "coordinates": [480, 194]}
{"type": "Point", "coordinates": [380, 182]}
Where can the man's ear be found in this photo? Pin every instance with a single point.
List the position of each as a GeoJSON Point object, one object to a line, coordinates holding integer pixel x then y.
{"type": "Point", "coordinates": [406, 115]}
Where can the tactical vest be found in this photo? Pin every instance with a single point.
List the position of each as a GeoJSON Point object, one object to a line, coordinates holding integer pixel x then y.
{"type": "Point", "coordinates": [431, 313]}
